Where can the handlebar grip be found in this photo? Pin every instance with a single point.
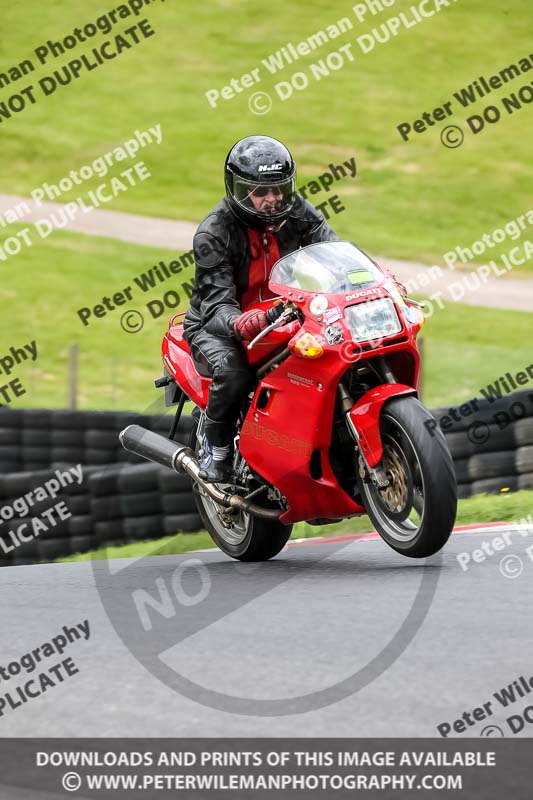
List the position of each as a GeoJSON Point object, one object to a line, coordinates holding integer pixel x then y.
{"type": "Point", "coordinates": [275, 312]}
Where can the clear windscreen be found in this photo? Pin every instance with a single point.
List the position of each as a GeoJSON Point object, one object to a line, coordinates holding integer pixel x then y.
{"type": "Point", "coordinates": [332, 267]}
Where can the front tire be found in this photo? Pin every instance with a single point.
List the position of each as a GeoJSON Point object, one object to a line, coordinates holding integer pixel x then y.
{"type": "Point", "coordinates": [416, 513]}
{"type": "Point", "coordinates": [248, 538]}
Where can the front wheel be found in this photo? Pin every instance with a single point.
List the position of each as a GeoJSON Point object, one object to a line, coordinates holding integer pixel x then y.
{"type": "Point", "coordinates": [415, 512]}
{"type": "Point", "coordinates": [236, 533]}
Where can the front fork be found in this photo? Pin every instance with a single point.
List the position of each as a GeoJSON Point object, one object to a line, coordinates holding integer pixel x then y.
{"type": "Point", "coordinates": [363, 422]}
{"type": "Point", "coordinates": [376, 474]}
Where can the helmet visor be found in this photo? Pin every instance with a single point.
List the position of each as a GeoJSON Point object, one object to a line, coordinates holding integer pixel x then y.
{"type": "Point", "coordinates": [265, 200]}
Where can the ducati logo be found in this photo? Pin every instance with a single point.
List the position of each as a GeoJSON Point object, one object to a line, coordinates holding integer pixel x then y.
{"type": "Point", "coordinates": [363, 293]}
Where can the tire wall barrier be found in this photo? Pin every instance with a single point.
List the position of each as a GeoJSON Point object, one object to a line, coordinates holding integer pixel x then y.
{"type": "Point", "coordinates": [122, 498]}
{"type": "Point", "coordinates": [491, 443]}
{"type": "Point", "coordinates": [119, 499]}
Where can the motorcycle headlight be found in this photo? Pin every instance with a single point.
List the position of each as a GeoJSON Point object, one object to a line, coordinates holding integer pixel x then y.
{"type": "Point", "coordinates": [373, 320]}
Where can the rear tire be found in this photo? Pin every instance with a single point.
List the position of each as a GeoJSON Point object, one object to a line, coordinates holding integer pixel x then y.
{"type": "Point", "coordinates": [423, 490]}
{"type": "Point", "coordinates": [249, 538]}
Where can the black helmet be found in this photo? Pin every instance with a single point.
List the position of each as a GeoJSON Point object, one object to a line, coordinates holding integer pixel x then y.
{"type": "Point", "coordinates": [260, 169]}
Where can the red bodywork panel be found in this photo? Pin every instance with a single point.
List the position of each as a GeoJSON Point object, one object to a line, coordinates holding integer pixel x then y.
{"type": "Point", "coordinates": [292, 426]}
{"type": "Point", "coordinates": [177, 359]}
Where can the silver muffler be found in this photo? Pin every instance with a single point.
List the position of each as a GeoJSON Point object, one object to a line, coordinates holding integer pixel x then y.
{"type": "Point", "coordinates": [154, 447]}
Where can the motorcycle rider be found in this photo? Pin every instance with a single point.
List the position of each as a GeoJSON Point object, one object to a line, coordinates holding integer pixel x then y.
{"type": "Point", "coordinates": [260, 219]}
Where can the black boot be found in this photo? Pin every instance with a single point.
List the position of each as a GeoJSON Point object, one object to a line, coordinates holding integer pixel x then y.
{"type": "Point", "coordinates": [215, 471]}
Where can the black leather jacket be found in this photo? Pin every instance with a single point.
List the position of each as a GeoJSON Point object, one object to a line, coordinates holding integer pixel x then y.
{"type": "Point", "coordinates": [223, 255]}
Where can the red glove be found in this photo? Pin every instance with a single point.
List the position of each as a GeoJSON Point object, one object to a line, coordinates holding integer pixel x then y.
{"type": "Point", "coordinates": [249, 324]}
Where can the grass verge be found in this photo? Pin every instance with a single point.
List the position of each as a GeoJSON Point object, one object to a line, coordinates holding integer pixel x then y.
{"type": "Point", "coordinates": [411, 199]}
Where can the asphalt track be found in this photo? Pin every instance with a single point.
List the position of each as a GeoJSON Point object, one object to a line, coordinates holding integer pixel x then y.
{"type": "Point", "coordinates": [338, 637]}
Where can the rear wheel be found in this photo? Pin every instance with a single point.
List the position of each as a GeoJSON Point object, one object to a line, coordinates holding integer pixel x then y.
{"type": "Point", "coordinates": [415, 512]}
{"type": "Point", "coordinates": [235, 532]}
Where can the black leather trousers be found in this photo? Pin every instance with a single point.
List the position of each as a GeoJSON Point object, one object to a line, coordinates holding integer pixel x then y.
{"type": "Point", "coordinates": [224, 360]}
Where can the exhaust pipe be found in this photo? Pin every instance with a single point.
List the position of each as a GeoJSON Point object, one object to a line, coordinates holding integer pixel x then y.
{"type": "Point", "coordinates": [154, 447]}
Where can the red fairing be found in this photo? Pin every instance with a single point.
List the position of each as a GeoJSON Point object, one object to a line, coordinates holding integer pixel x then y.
{"type": "Point", "coordinates": [289, 429]}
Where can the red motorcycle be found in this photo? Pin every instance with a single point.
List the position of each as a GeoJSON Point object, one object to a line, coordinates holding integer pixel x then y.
{"type": "Point", "coordinates": [333, 428]}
